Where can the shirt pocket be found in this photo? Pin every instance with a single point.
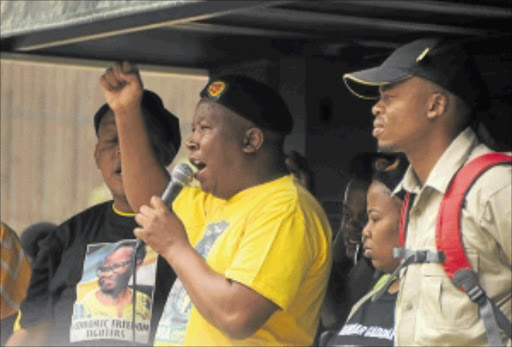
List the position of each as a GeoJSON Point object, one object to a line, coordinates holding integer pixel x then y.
{"type": "Point", "coordinates": [442, 306]}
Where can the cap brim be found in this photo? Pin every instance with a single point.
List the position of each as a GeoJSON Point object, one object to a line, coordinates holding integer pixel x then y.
{"type": "Point", "coordinates": [365, 83]}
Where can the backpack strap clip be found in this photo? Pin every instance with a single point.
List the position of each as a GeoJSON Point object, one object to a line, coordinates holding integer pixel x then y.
{"type": "Point", "coordinates": [409, 257]}
{"type": "Point", "coordinates": [419, 256]}
{"type": "Point", "coordinates": [467, 281]}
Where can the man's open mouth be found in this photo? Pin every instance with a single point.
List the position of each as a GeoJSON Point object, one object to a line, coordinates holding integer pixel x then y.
{"type": "Point", "coordinates": [199, 165]}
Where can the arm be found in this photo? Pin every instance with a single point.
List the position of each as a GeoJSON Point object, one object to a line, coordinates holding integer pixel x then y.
{"type": "Point", "coordinates": [36, 335]}
{"type": "Point", "coordinates": [36, 322]}
{"type": "Point", "coordinates": [335, 306]}
{"type": "Point", "coordinates": [143, 176]}
{"type": "Point", "coordinates": [496, 219]}
{"type": "Point", "coordinates": [233, 308]}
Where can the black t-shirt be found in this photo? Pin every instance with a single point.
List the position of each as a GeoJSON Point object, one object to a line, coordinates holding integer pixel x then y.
{"type": "Point", "coordinates": [58, 269]}
{"type": "Point", "coordinates": [347, 284]}
{"type": "Point", "coordinates": [371, 325]}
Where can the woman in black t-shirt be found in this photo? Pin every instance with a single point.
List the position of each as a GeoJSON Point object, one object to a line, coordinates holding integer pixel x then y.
{"type": "Point", "coordinates": [371, 321]}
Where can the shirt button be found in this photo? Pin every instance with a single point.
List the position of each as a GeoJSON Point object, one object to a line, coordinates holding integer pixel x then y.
{"type": "Point", "coordinates": [408, 306]}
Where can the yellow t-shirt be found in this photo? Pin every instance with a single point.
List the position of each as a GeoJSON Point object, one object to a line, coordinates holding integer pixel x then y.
{"type": "Point", "coordinates": [93, 308]}
{"type": "Point", "coordinates": [273, 238]}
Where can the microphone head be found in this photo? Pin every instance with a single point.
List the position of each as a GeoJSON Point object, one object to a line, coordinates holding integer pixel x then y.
{"type": "Point", "coordinates": [182, 174]}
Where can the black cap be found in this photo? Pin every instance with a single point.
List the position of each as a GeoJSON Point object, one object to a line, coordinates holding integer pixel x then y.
{"type": "Point", "coordinates": [162, 120]}
{"type": "Point", "coordinates": [443, 62]}
{"type": "Point", "coordinates": [252, 100]}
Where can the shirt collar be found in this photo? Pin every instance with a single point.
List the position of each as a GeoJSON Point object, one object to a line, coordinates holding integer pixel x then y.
{"type": "Point", "coordinates": [409, 183]}
{"type": "Point", "coordinates": [453, 158]}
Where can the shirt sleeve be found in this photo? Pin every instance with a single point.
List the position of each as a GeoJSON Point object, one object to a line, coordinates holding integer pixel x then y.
{"type": "Point", "coordinates": [496, 219]}
{"type": "Point", "coordinates": [37, 306]}
{"type": "Point", "coordinates": [274, 253]}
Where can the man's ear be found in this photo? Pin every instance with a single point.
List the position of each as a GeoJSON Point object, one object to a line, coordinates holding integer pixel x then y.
{"type": "Point", "coordinates": [438, 105]}
{"type": "Point", "coordinates": [96, 156]}
{"type": "Point", "coordinates": [253, 140]}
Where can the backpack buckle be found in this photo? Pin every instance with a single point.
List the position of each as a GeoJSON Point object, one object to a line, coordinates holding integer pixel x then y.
{"type": "Point", "coordinates": [467, 281]}
{"type": "Point", "coordinates": [476, 294]}
{"type": "Point", "coordinates": [420, 256]}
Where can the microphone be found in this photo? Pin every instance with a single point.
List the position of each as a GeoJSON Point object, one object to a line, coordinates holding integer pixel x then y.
{"type": "Point", "coordinates": [181, 176]}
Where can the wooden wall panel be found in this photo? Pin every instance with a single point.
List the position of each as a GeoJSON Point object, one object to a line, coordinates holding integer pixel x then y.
{"type": "Point", "coordinates": [47, 168]}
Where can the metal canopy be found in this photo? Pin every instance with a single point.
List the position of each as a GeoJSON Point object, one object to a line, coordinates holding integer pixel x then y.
{"type": "Point", "coordinates": [204, 34]}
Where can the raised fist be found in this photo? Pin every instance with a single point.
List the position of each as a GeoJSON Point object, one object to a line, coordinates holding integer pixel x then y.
{"type": "Point", "coordinates": [122, 87]}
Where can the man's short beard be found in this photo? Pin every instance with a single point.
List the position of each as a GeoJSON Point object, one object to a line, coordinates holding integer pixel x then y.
{"type": "Point", "coordinates": [120, 286]}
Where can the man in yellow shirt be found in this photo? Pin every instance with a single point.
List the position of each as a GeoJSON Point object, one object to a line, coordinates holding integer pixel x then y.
{"type": "Point", "coordinates": [251, 248]}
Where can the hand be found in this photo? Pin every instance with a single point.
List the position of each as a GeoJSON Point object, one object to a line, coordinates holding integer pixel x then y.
{"type": "Point", "coordinates": [160, 228]}
{"type": "Point", "coordinates": [122, 87]}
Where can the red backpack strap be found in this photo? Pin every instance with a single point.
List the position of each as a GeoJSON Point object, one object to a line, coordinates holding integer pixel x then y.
{"type": "Point", "coordinates": [404, 216]}
{"type": "Point", "coordinates": [412, 256]}
{"type": "Point", "coordinates": [449, 241]}
{"type": "Point", "coordinates": [448, 228]}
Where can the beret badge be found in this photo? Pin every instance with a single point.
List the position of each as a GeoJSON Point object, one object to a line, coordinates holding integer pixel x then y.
{"type": "Point", "coordinates": [216, 89]}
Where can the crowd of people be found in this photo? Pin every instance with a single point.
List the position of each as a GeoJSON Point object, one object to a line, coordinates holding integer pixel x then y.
{"type": "Point", "coordinates": [248, 257]}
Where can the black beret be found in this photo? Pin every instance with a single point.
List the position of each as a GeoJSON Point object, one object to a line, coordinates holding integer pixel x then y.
{"type": "Point", "coordinates": [159, 115]}
{"type": "Point", "coordinates": [252, 100]}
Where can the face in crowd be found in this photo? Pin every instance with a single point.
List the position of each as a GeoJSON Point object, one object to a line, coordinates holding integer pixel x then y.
{"type": "Point", "coordinates": [217, 146]}
{"type": "Point", "coordinates": [116, 271]}
{"type": "Point", "coordinates": [354, 216]}
{"type": "Point", "coordinates": [381, 233]}
{"type": "Point", "coordinates": [108, 157]}
{"type": "Point", "coordinates": [401, 114]}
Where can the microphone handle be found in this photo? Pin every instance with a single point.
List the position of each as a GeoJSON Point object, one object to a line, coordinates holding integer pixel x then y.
{"type": "Point", "coordinates": [138, 245]}
{"type": "Point", "coordinates": [171, 192]}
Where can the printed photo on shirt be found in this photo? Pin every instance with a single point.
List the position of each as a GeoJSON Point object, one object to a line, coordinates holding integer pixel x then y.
{"type": "Point", "coordinates": [105, 293]}
{"type": "Point", "coordinates": [173, 323]}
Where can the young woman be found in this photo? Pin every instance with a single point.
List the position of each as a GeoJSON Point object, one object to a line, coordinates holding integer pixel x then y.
{"type": "Point", "coordinates": [371, 321]}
